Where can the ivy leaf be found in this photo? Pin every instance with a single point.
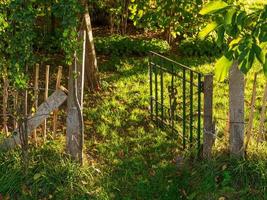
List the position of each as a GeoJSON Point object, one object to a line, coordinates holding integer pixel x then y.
{"type": "Point", "coordinates": [213, 7]}
{"type": "Point", "coordinates": [222, 67]}
{"type": "Point", "coordinates": [205, 31]}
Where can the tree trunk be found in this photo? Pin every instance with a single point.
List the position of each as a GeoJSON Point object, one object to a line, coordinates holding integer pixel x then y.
{"type": "Point", "coordinates": [124, 17]}
{"type": "Point", "coordinates": [236, 89]}
{"type": "Point", "coordinates": [91, 69]}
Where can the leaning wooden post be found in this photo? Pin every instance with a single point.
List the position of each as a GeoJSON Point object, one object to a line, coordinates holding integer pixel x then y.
{"type": "Point", "coordinates": [36, 91]}
{"type": "Point", "coordinates": [263, 114]}
{"type": "Point", "coordinates": [5, 101]}
{"type": "Point", "coordinates": [252, 109]}
{"type": "Point", "coordinates": [209, 126]}
{"type": "Point", "coordinates": [46, 96]}
{"type": "Point", "coordinates": [75, 126]}
{"type": "Point", "coordinates": [236, 110]}
{"type": "Point", "coordinates": [55, 114]}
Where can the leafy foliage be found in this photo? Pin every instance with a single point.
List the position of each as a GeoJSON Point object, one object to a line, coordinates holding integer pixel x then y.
{"type": "Point", "coordinates": [176, 19]}
{"type": "Point", "coordinates": [196, 47]}
{"type": "Point", "coordinates": [117, 45]}
{"type": "Point", "coordinates": [243, 30]}
{"type": "Point", "coordinates": [24, 33]}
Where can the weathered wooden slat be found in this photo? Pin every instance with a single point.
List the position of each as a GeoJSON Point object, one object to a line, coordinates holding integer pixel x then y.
{"type": "Point", "coordinates": [43, 111]}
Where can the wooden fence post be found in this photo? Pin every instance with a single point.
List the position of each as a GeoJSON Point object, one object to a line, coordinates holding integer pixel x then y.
{"type": "Point", "coordinates": [252, 109]}
{"type": "Point", "coordinates": [263, 114]}
{"type": "Point", "coordinates": [55, 114]}
{"type": "Point", "coordinates": [75, 126]}
{"type": "Point", "coordinates": [45, 97]}
{"type": "Point", "coordinates": [236, 90]}
{"type": "Point", "coordinates": [209, 126]}
{"type": "Point", "coordinates": [36, 91]}
{"type": "Point", "coordinates": [15, 108]}
{"type": "Point", "coordinates": [5, 101]}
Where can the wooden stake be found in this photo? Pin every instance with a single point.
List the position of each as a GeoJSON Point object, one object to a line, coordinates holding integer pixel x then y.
{"type": "Point", "coordinates": [252, 109]}
{"type": "Point", "coordinates": [263, 115]}
{"type": "Point", "coordinates": [75, 125]}
{"type": "Point", "coordinates": [55, 114]}
{"type": "Point", "coordinates": [46, 96]}
{"type": "Point", "coordinates": [209, 132]}
{"type": "Point", "coordinates": [5, 102]}
{"type": "Point", "coordinates": [36, 91]}
{"type": "Point", "coordinates": [15, 107]}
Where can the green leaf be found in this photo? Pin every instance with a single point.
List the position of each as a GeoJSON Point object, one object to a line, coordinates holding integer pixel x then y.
{"type": "Point", "coordinates": [220, 34]}
{"type": "Point", "coordinates": [229, 16]}
{"type": "Point", "coordinates": [234, 42]}
{"type": "Point", "coordinates": [213, 7]}
{"type": "Point", "coordinates": [259, 53]}
{"type": "Point", "coordinates": [37, 176]}
{"type": "Point", "coordinates": [205, 31]}
{"type": "Point", "coordinates": [222, 67]}
{"type": "Point", "coordinates": [247, 62]}
{"type": "Point", "coordinates": [265, 68]}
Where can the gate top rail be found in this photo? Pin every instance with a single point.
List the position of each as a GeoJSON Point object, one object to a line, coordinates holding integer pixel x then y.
{"type": "Point", "coordinates": [175, 62]}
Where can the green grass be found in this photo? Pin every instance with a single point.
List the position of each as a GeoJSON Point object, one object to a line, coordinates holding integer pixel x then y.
{"type": "Point", "coordinates": [128, 157]}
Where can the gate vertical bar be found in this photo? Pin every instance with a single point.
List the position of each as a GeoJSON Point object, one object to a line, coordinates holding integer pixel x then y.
{"type": "Point", "coordinates": [184, 108]}
{"type": "Point", "coordinates": [191, 108]}
{"type": "Point", "coordinates": [162, 95]}
{"type": "Point", "coordinates": [171, 100]}
{"type": "Point", "coordinates": [199, 111]}
{"type": "Point", "coordinates": [156, 93]}
{"type": "Point", "coordinates": [151, 88]}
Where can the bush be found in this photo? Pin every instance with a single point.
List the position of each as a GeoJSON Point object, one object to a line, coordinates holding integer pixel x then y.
{"type": "Point", "coordinates": [196, 47]}
{"type": "Point", "coordinates": [117, 45]}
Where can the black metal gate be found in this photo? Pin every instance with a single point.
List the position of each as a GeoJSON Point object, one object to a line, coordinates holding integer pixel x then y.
{"type": "Point", "coordinates": [176, 99]}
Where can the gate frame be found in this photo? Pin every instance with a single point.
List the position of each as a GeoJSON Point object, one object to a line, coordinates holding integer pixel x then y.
{"type": "Point", "coordinates": [204, 86]}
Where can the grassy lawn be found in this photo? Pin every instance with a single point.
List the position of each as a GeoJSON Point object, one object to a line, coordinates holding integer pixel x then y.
{"type": "Point", "coordinates": [128, 157]}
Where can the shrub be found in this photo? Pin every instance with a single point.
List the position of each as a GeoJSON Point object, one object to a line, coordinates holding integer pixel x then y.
{"type": "Point", "coordinates": [196, 47]}
{"type": "Point", "coordinates": [117, 45]}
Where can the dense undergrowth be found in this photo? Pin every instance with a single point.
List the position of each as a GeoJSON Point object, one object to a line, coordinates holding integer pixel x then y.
{"type": "Point", "coordinates": [117, 45]}
{"type": "Point", "coordinates": [128, 157]}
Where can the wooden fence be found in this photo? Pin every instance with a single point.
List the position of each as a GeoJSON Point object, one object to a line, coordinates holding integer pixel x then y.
{"type": "Point", "coordinates": [14, 102]}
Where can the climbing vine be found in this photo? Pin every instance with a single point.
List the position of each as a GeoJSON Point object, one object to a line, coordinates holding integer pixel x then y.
{"type": "Point", "coordinates": [31, 31]}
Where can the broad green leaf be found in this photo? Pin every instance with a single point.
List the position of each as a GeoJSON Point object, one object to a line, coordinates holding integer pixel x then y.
{"type": "Point", "coordinates": [220, 34]}
{"type": "Point", "coordinates": [229, 16]}
{"type": "Point", "coordinates": [234, 42]}
{"type": "Point", "coordinates": [213, 7]}
{"type": "Point", "coordinates": [247, 62]}
{"type": "Point", "coordinates": [222, 67]}
{"type": "Point", "coordinates": [265, 68]}
{"type": "Point", "coordinates": [259, 53]}
{"type": "Point", "coordinates": [205, 31]}
{"type": "Point", "coordinates": [243, 66]}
